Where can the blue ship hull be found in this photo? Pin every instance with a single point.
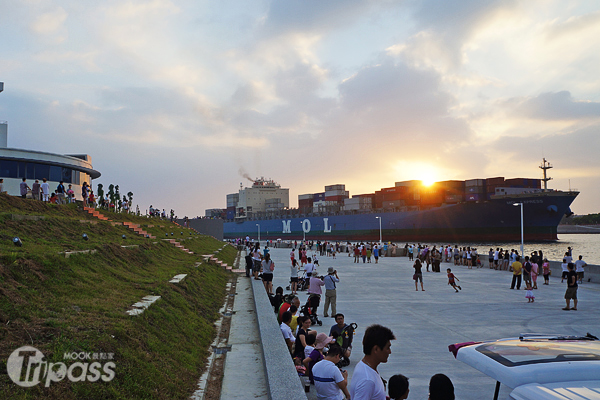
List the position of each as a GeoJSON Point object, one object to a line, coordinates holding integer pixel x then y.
{"type": "Point", "coordinates": [494, 220]}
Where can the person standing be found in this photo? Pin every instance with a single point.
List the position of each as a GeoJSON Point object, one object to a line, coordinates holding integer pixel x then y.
{"type": "Point", "coordinates": [517, 268]}
{"type": "Point", "coordinates": [546, 271]}
{"type": "Point", "coordinates": [330, 382]}
{"type": "Point", "coordinates": [35, 190]}
{"type": "Point", "coordinates": [418, 275]}
{"type": "Point", "coordinates": [572, 287]}
{"type": "Point", "coordinates": [330, 291]}
{"type": "Point", "coordinates": [366, 382]}
{"type": "Point", "coordinates": [268, 266]}
{"type": "Point", "coordinates": [579, 265]}
{"type": "Point", "coordinates": [256, 256]}
{"type": "Point", "coordinates": [45, 187]}
{"type": "Point", "coordinates": [60, 192]}
{"type": "Point", "coordinates": [24, 187]}
{"type": "Point", "coordinates": [294, 276]}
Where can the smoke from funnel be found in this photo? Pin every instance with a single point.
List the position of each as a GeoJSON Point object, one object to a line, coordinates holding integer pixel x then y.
{"type": "Point", "coordinates": [243, 173]}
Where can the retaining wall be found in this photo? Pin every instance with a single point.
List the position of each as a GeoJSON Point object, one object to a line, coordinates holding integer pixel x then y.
{"type": "Point", "coordinates": [283, 382]}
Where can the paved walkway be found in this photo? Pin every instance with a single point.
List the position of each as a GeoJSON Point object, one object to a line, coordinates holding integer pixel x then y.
{"type": "Point", "coordinates": [425, 323]}
{"type": "Point", "coordinates": [244, 376]}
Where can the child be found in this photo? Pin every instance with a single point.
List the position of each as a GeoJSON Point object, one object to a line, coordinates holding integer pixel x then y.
{"type": "Point", "coordinates": [398, 387]}
{"type": "Point", "coordinates": [529, 293]}
{"type": "Point", "coordinates": [451, 279]}
{"type": "Point", "coordinates": [310, 341]}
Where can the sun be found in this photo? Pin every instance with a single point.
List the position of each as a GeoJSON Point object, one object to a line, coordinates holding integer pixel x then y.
{"type": "Point", "coordinates": [427, 173]}
{"type": "Point", "coordinates": [427, 180]}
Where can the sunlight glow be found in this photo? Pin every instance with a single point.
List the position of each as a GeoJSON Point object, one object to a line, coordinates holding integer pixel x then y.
{"type": "Point", "coordinates": [406, 170]}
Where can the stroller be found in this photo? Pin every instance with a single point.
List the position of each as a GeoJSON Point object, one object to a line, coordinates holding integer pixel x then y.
{"type": "Point", "coordinates": [310, 308]}
{"type": "Point", "coordinates": [303, 283]}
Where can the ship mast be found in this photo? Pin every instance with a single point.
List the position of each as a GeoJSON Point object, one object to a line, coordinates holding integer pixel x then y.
{"type": "Point", "coordinates": [545, 166]}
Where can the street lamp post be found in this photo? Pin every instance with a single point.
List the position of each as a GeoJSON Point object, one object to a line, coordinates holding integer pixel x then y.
{"type": "Point", "coordinates": [379, 218]}
{"type": "Point", "coordinates": [522, 227]}
{"type": "Point", "coordinates": [258, 228]}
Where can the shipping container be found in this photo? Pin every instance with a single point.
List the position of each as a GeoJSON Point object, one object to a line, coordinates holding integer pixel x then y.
{"type": "Point", "coordinates": [230, 214]}
{"type": "Point", "coordinates": [451, 184]}
{"type": "Point", "coordinates": [474, 189]}
{"type": "Point", "coordinates": [330, 193]}
{"type": "Point", "coordinates": [335, 187]}
{"type": "Point", "coordinates": [339, 199]}
{"type": "Point", "coordinates": [409, 183]}
{"type": "Point", "coordinates": [475, 182]}
{"type": "Point", "coordinates": [495, 181]}
{"type": "Point", "coordinates": [305, 203]}
{"type": "Point", "coordinates": [393, 204]}
{"type": "Point", "coordinates": [473, 196]}
{"type": "Point", "coordinates": [319, 196]}
{"type": "Point", "coordinates": [453, 198]}
{"type": "Point", "coordinates": [306, 196]}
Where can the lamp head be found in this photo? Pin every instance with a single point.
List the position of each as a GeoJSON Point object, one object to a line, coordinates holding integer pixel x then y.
{"type": "Point", "coordinates": [85, 236]}
{"type": "Point", "coordinates": [124, 237]}
{"type": "Point", "coordinates": [17, 242]}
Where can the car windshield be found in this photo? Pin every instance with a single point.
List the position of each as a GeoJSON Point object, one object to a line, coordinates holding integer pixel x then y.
{"type": "Point", "coordinates": [513, 353]}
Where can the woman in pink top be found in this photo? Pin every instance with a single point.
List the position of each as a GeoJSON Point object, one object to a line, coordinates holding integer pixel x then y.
{"type": "Point", "coordinates": [534, 274]}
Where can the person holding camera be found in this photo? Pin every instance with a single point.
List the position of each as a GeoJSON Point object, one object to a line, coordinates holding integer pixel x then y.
{"type": "Point", "coordinates": [330, 294]}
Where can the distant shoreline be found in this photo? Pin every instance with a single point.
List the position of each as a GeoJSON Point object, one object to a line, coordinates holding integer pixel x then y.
{"type": "Point", "coordinates": [578, 229]}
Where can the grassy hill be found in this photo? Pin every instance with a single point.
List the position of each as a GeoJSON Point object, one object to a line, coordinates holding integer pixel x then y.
{"type": "Point", "coordinates": [78, 304]}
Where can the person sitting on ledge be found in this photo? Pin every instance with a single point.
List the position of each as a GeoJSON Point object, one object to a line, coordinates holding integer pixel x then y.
{"type": "Point", "coordinates": [287, 331]}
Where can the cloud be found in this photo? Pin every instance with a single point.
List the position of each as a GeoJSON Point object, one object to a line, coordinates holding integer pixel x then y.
{"type": "Point", "coordinates": [50, 25]}
{"type": "Point", "coordinates": [444, 27]}
{"type": "Point", "coordinates": [573, 26]}
{"type": "Point", "coordinates": [554, 106]}
{"type": "Point", "coordinates": [313, 15]}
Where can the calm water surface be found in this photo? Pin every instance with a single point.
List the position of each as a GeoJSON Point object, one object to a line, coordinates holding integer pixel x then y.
{"type": "Point", "coordinates": [587, 245]}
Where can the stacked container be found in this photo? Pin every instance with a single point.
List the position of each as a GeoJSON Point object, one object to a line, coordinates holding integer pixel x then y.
{"type": "Point", "coordinates": [305, 200]}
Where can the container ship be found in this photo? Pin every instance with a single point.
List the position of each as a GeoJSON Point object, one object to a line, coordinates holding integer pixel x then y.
{"type": "Point", "coordinates": [448, 211]}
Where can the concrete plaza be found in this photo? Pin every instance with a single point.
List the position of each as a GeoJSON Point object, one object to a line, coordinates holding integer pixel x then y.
{"type": "Point", "coordinates": [425, 323]}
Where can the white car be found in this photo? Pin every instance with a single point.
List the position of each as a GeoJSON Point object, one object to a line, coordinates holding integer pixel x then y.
{"type": "Point", "coordinates": [538, 367]}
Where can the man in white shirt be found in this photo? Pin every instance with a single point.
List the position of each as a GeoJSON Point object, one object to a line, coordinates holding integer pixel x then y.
{"type": "Point", "coordinates": [330, 382]}
{"type": "Point", "coordinates": [579, 264]}
{"type": "Point", "coordinates": [366, 382]}
{"type": "Point", "coordinates": [45, 187]}
{"type": "Point", "coordinates": [309, 268]}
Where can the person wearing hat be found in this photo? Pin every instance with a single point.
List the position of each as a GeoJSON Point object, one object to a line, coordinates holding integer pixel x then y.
{"type": "Point", "coordinates": [330, 294]}
{"type": "Point", "coordinates": [316, 355]}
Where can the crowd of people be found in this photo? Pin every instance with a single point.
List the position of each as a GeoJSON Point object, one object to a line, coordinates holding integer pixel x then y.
{"type": "Point", "coordinates": [42, 191]}
{"type": "Point", "coordinates": [321, 356]}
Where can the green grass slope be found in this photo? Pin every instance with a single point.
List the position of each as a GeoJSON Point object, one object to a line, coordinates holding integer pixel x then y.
{"type": "Point", "coordinates": [78, 304]}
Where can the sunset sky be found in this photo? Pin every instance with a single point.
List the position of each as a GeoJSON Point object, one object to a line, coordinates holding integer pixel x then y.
{"type": "Point", "coordinates": [177, 100]}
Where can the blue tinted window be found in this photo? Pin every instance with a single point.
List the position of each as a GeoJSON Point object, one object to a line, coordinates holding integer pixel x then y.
{"type": "Point", "coordinates": [66, 175]}
{"type": "Point", "coordinates": [55, 173]}
{"type": "Point", "coordinates": [42, 171]}
{"type": "Point", "coordinates": [30, 171]}
{"type": "Point", "coordinates": [8, 169]}
{"type": "Point", "coordinates": [22, 172]}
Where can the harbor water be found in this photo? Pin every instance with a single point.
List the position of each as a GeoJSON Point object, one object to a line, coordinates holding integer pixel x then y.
{"type": "Point", "coordinates": [586, 245]}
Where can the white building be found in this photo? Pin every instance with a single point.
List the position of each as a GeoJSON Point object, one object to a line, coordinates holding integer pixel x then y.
{"type": "Point", "coordinates": [262, 197]}
{"type": "Point", "coordinates": [16, 164]}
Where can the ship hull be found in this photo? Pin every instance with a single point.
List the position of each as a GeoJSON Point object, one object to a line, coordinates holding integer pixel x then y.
{"type": "Point", "coordinates": [494, 220]}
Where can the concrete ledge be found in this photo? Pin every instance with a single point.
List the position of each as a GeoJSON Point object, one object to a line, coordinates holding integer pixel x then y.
{"type": "Point", "coordinates": [591, 272]}
{"type": "Point", "coordinates": [283, 382]}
